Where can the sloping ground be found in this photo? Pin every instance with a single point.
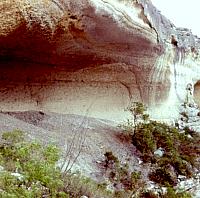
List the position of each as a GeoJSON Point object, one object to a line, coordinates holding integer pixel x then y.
{"type": "Point", "coordinates": [81, 134]}
{"type": "Point", "coordinates": [92, 58]}
{"type": "Point", "coordinates": [92, 137]}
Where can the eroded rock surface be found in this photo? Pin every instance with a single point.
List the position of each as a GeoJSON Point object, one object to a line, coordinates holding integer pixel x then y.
{"type": "Point", "coordinates": [93, 57]}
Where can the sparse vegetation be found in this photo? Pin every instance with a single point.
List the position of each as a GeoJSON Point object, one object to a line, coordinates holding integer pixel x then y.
{"type": "Point", "coordinates": [170, 193]}
{"type": "Point", "coordinates": [124, 181]}
{"type": "Point", "coordinates": [29, 169]}
{"type": "Point", "coordinates": [180, 150]}
{"type": "Point", "coordinates": [138, 112]}
{"type": "Point", "coordinates": [77, 185]}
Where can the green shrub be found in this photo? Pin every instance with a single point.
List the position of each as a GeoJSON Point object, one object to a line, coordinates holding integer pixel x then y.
{"type": "Point", "coordinates": [77, 185]}
{"type": "Point", "coordinates": [171, 193]}
{"type": "Point", "coordinates": [123, 180]}
{"type": "Point", "coordinates": [38, 174]}
{"type": "Point", "coordinates": [180, 151]}
{"type": "Point", "coordinates": [162, 176]}
{"type": "Point", "coordinates": [138, 111]}
{"type": "Point", "coordinates": [13, 137]}
{"type": "Point", "coordinates": [35, 164]}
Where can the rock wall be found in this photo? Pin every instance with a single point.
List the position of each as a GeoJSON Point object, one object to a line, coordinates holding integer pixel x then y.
{"type": "Point", "coordinates": [93, 57]}
{"type": "Point", "coordinates": [197, 93]}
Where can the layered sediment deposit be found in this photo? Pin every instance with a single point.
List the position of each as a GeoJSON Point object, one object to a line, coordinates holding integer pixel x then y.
{"type": "Point", "coordinates": [93, 57]}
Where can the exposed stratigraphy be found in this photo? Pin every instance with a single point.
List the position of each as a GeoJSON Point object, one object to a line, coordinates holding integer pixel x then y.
{"type": "Point", "coordinates": [93, 57]}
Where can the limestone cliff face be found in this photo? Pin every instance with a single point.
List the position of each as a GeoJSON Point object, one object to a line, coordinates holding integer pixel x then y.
{"type": "Point", "coordinates": [93, 57]}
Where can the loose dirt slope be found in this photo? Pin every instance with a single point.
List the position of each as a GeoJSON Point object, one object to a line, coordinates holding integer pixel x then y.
{"type": "Point", "coordinates": [92, 137]}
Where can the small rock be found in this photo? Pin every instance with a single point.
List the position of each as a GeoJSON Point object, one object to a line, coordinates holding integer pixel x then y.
{"type": "Point", "coordinates": [1, 168]}
{"type": "Point", "coordinates": [181, 177]}
{"type": "Point", "coordinates": [159, 152]}
{"type": "Point", "coordinates": [189, 136]}
{"type": "Point", "coordinates": [139, 161]}
{"type": "Point", "coordinates": [98, 162]}
{"type": "Point", "coordinates": [18, 175]}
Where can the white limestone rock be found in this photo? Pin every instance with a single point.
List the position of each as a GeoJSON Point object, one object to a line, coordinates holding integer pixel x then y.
{"type": "Point", "coordinates": [159, 152]}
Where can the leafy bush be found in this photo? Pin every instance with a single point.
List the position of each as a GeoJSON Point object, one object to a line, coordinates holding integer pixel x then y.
{"type": "Point", "coordinates": [180, 151]}
{"type": "Point", "coordinates": [137, 109]}
{"type": "Point", "coordinates": [30, 171]}
{"type": "Point", "coordinates": [124, 181]}
{"type": "Point", "coordinates": [14, 137]}
{"type": "Point", "coordinates": [76, 185]}
{"type": "Point", "coordinates": [171, 193]}
{"type": "Point", "coordinates": [162, 176]}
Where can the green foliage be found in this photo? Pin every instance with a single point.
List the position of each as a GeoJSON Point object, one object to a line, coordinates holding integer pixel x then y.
{"type": "Point", "coordinates": [110, 159]}
{"type": "Point", "coordinates": [180, 151]}
{"type": "Point", "coordinates": [14, 137]}
{"type": "Point", "coordinates": [171, 193]}
{"type": "Point", "coordinates": [162, 176]}
{"type": "Point", "coordinates": [124, 181]}
{"type": "Point", "coordinates": [77, 185]}
{"type": "Point", "coordinates": [35, 164]}
{"type": "Point", "coordinates": [138, 112]}
{"type": "Point", "coordinates": [137, 109]}
{"type": "Point", "coordinates": [38, 175]}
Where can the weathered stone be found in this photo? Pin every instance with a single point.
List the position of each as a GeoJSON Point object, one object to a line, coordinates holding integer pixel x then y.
{"type": "Point", "coordinates": [159, 152]}
{"type": "Point", "coordinates": [189, 117]}
{"type": "Point", "coordinates": [93, 58]}
{"type": "Point", "coordinates": [1, 168]}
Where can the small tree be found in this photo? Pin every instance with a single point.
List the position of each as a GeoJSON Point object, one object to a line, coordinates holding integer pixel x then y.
{"type": "Point", "coordinates": [137, 109]}
{"type": "Point", "coordinates": [138, 112]}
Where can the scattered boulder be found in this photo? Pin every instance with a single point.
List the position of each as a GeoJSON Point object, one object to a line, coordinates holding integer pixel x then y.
{"type": "Point", "coordinates": [159, 152]}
